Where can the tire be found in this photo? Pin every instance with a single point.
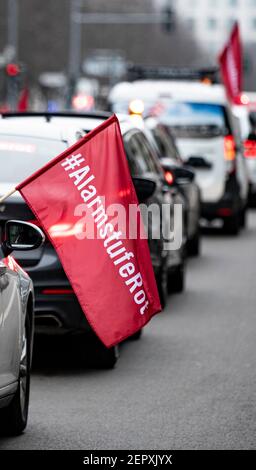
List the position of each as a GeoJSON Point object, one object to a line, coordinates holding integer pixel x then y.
{"type": "Point", "coordinates": [252, 200]}
{"type": "Point", "coordinates": [13, 419]}
{"type": "Point", "coordinates": [232, 225]}
{"type": "Point", "coordinates": [136, 336]}
{"type": "Point", "coordinates": [243, 218]}
{"type": "Point", "coordinates": [176, 280]}
{"type": "Point", "coordinates": [161, 281]}
{"type": "Point", "coordinates": [106, 358]}
{"type": "Point", "coordinates": [193, 245]}
{"type": "Point", "coordinates": [93, 353]}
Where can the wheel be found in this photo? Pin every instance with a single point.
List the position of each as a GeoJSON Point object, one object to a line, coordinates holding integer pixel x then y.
{"type": "Point", "coordinates": [94, 353]}
{"type": "Point", "coordinates": [136, 336]}
{"type": "Point", "coordinates": [252, 199]}
{"type": "Point", "coordinates": [193, 245]}
{"type": "Point", "coordinates": [243, 218]}
{"type": "Point", "coordinates": [161, 281]}
{"type": "Point", "coordinates": [13, 419]}
{"type": "Point", "coordinates": [232, 224]}
{"type": "Point", "coordinates": [106, 358]}
{"type": "Point", "coordinates": [176, 280]}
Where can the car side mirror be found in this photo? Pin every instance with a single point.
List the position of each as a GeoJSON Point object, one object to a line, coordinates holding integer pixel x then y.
{"type": "Point", "coordinates": [144, 188]}
{"type": "Point", "coordinates": [177, 175]}
{"type": "Point", "coordinates": [20, 236]}
{"type": "Point", "coordinates": [183, 175]}
{"type": "Point", "coordinates": [198, 162]}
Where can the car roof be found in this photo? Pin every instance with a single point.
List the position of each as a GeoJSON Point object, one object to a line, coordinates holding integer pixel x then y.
{"type": "Point", "coordinates": [30, 128]}
{"type": "Point", "coordinates": [168, 89]}
{"type": "Point", "coordinates": [58, 117]}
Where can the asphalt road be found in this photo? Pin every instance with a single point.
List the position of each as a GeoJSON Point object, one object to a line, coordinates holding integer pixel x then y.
{"type": "Point", "coordinates": [189, 383]}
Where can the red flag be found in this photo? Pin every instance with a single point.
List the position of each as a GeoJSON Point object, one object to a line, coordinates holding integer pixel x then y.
{"type": "Point", "coordinates": [23, 100]}
{"type": "Point", "coordinates": [231, 66]}
{"type": "Point", "coordinates": [111, 275]}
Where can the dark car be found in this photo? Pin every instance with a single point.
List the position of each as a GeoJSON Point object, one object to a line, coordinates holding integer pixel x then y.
{"type": "Point", "coordinates": [182, 177]}
{"type": "Point", "coordinates": [31, 142]}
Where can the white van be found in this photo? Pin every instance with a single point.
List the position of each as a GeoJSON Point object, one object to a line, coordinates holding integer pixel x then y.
{"type": "Point", "coordinates": [208, 138]}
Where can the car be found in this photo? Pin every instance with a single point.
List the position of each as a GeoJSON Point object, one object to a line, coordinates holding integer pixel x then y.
{"type": "Point", "coordinates": [176, 259]}
{"type": "Point", "coordinates": [179, 175]}
{"type": "Point", "coordinates": [31, 141]}
{"type": "Point", "coordinates": [207, 137]}
{"type": "Point", "coordinates": [247, 120]}
{"type": "Point", "coordinates": [16, 325]}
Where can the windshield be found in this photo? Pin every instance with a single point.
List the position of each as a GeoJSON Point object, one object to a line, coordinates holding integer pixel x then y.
{"type": "Point", "coordinates": [195, 119]}
{"type": "Point", "coordinates": [21, 156]}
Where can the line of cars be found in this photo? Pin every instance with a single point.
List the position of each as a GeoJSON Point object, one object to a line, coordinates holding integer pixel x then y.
{"type": "Point", "coordinates": [188, 145]}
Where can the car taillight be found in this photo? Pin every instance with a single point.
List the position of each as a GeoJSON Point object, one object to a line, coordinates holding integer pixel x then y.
{"type": "Point", "coordinates": [169, 178]}
{"type": "Point", "coordinates": [250, 149]}
{"type": "Point", "coordinates": [229, 148]}
{"type": "Point", "coordinates": [230, 153]}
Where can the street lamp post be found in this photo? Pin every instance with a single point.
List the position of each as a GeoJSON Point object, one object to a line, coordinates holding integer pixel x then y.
{"type": "Point", "coordinates": [12, 29]}
{"type": "Point", "coordinates": [74, 47]}
{"type": "Point", "coordinates": [12, 50]}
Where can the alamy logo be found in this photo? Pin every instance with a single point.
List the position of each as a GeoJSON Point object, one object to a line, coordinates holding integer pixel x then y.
{"type": "Point", "coordinates": [96, 220]}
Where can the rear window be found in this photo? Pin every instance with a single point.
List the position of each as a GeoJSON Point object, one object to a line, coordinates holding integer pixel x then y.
{"type": "Point", "coordinates": [196, 119]}
{"type": "Point", "coordinates": [20, 157]}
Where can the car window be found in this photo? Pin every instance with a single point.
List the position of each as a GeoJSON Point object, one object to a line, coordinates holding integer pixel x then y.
{"type": "Point", "coordinates": [165, 143]}
{"type": "Point", "coordinates": [147, 153]}
{"type": "Point", "coordinates": [196, 119]}
{"type": "Point", "coordinates": [21, 156]}
{"type": "Point", "coordinates": [133, 153]}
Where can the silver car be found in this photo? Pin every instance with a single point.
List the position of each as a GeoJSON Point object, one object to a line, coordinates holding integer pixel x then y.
{"type": "Point", "coordinates": [16, 326]}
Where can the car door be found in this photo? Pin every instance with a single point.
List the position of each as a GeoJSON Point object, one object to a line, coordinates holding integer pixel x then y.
{"type": "Point", "coordinates": [140, 167]}
{"type": "Point", "coordinates": [10, 322]}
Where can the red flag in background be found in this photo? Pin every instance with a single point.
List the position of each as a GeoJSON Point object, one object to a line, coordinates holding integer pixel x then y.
{"type": "Point", "coordinates": [231, 66]}
{"type": "Point", "coordinates": [111, 276]}
{"type": "Point", "coordinates": [23, 100]}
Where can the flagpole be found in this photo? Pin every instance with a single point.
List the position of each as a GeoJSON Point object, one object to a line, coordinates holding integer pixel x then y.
{"type": "Point", "coordinates": [2, 199]}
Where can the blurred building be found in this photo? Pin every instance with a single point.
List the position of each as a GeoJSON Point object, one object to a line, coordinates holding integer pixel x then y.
{"type": "Point", "coordinates": [44, 35]}
{"type": "Point", "coordinates": [211, 22]}
{"type": "Point", "coordinates": [43, 43]}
